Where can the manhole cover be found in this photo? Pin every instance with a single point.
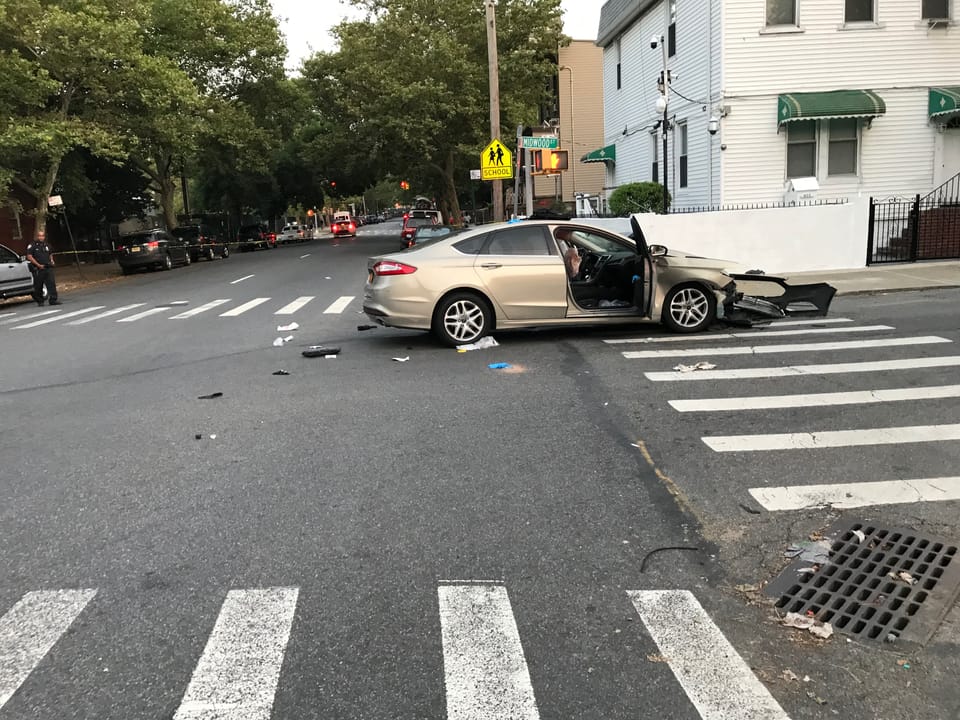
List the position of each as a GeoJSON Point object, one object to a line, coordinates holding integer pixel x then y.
{"type": "Point", "coordinates": [894, 585]}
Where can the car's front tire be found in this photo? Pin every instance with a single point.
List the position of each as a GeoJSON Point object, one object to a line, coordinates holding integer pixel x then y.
{"type": "Point", "coordinates": [226, 252]}
{"type": "Point", "coordinates": [461, 318]}
{"type": "Point", "coordinates": [166, 263]}
{"type": "Point", "coordinates": [689, 308]}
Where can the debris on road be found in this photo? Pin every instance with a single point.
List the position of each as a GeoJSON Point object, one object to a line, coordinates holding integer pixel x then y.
{"type": "Point", "coordinates": [789, 675]}
{"type": "Point", "coordinates": [816, 698]}
{"type": "Point", "coordinates": [905, 664]}
{"type": "Point", "coordinates": [810, 551]}
{"type": "Point", "coordinates": [361, 328]}
{"type": "Point", "coordinates": [288, 328]}
{"type": "Point", "coordinates": [321, 351]}
{"type": "Point", "coordinates": [499, 366]}
{"type": "Point", "coordinates": [860, 536]}
{"type": "Point", "coordinates": [280, 372]}
{"type": "Point", "coordinates": [749, 509]}
{"type": "Point", "coordinates": [904, 576]}
{"type": "Point", "coordinates": [178, 302]}
{"type": "Point", "coordinates": [198, 436]}
{"type": "Point", "coordinates": [401, 359]}
{"type": "Point", "coordinates": [213, 437]}
{"type": "Point", "coordinates": [703, 365]}
{"type": "Point", "coordinates": [211, 396]}
{"type": "Point", "coordinates": [278, 342]}
{"type": "Point", "coordinates": [657, 659]}
{"type": "Point", "coordinates": [813, 626]}
{"type": "Point", "coordinates": [484, 343]}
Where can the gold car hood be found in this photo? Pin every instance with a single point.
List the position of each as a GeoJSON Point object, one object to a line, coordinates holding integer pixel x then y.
{"type": "Point", "coordinates": [681, 259]}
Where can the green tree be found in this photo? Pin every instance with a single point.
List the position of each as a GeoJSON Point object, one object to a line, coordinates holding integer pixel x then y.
{"type": "Point", "coordinates": [637, 198]}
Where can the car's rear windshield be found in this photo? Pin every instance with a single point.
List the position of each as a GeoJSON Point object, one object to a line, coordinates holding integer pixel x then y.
{"type": "Point", "coordinates": [185, 232]}
{"type": "Point", "coordinates": [136, 238]}
{"type": "Point", "coordinates": [419, 221]}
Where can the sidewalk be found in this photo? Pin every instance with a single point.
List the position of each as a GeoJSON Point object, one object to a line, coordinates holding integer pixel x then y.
{"type": "Point", "coordinates": [886, 278]}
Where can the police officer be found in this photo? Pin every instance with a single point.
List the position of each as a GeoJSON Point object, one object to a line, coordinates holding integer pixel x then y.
{"type": "Point", "coordinates": [41, 262]}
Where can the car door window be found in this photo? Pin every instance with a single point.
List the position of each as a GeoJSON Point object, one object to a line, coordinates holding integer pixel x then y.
{"type": "Point", "coordinates": [8, 256]}
{"type": "Point", "coordinates": [594, 242]}
{"type": "Point", "coordinates": [471, 245]}
{"type": "Point", "coordinates": [520, 240]}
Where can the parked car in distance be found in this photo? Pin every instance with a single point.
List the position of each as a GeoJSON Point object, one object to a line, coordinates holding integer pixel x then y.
{"type": "Point", "coordinates": [292, 232]}
{"type": "Point", "coordinates": [427, 232]}
{"type": "Point", "coordinates": [254, 237]}
{"type": "Point", "coordinates": [203, 241]}
{"type": "Point", "coordinates": [15, 276]}
{"type": "Point", "coordinates": [151, 249]}
{"type": "Point", "coordinates": [343, 227]}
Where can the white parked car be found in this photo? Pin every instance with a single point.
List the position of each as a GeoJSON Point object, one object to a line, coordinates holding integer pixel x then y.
{"type": "Point", "coordinates": [15, 276]}
{"type": "Point", "coordinates": [291, 232]}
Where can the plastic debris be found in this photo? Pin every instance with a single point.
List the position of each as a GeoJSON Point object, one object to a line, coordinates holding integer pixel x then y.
{"type": "Point", "coordinates": [483, 343]}
{"type": "Point", "coordinates": [198, 436]}
{"type": "Point", "coordinates": [499, 366]}
{"type": "Point", "coordinates": [278, 342]}
{"type": "Point", "coordinates": [789, 675]}
{"type": "Point", "coordinates": [905, 664]}
{"type": "Point", "coordinates": [280, 372]}
{"type": "Point", "coordinates": [288, 328]}
{"type": "Point", "coordinates": [211, 396]}
{"type": "Point", "coordinates": [809, 551]}
{"type": "Point", "coordinates": [180, 302]}
{"type": "Point", "coordinates": [401, 359]}
{"type": "Point", "coordinates": [657, 659]}
{"type": "Point", "coordinates": [321, 351]}
{"type": "Point", "coordinates": [860, 536]}
{"type": "Point", "coordinates": [904, 576]}
{"type": "Point", "coordinates": [288, 338]}
{"type": "Point", "coordinates": [806, 678]}
{"type": "Point", "coordinates": [813, 626]}
{"type": "Point", "coordinates": [816, 698]}
{"type": "Point", "coordinates": [213, 437]}
{"type": "Point", "coordinates": [361, 328]}
{"type": "Point", "coordinates": [703, 365]}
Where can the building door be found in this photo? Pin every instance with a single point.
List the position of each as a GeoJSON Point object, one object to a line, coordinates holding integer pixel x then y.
{"type": "Point", "coordinates": [947, 163]}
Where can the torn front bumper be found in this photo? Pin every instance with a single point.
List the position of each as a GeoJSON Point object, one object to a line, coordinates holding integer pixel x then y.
{"type": "Point", "coordinates": [786, 301]}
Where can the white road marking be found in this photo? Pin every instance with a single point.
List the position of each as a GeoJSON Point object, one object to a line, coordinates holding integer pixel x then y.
{"type": "Point", "coordinates": [765, 402]}
{"type": "Point", "coordinates": [717, 680]}
{"type": "Point", "coordinates": [812, 321]}
{"type": "Point", "coordinates": [794, 370]}
{"type": "Point", "coordinates": [200, 309]}
{"type": "Point", "coordinates": [752, 334]}
{"type": "Point", "coordinates": [145, 313]}
{"type": "Point", "coordinates": [833, 438]}
{"type": "Point", "coordinates": [241, 309]}
{"type": "Point", "coordinates": [794, 347]}
{"type": "Point", "coordinates": [339, 305]}
{"type": "Point", "coordinates": [305, 256]}
{"type": "Point", "coordinates": [30, 628]}
{"type": "Point", "coordinates": [108, 313]}
{"type": "Point", "coordinates": [236, 677]}
{"type": "Point", "coordinates": [863, 494]}
{"type": "Point", "coordinates": [58, 318]}
{"type": "Point", "coordinates": [30, 317]}
{"type": "Point", "coordinates": [484, 666]}
{"type": "Point", "coordinates": [240, 280]}
{"type": "Point", "coordinates": [294, 306]}
{"type": "Point", "coordinates": [3, 315]}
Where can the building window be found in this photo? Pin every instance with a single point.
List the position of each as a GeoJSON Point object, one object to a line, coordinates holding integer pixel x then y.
{"type": "Point", "coordinates": [935, 9]}
{"type": "Point", "coordinates": [618, 64]}
{"type": "Point", "coordinates": [683, 155]}
{"type": "Point", "coordinates": [781, 12]}
{"type": "Point", "coordinates": [672, 30]}
{"type": "Point", "coordinates": [842, 150]}
{"type": "Point", "coordinates": [654, 172]}
{"type": "Point", "coordinates": [802, 149]}
{"type": "Point", "coordinates": [859, 11]}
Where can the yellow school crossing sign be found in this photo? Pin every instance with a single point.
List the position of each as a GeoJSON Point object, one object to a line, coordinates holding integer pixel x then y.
{"type": "Point", "coordinates": [496, 162]}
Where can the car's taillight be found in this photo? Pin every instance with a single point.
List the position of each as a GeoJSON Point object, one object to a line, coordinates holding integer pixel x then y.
{"type": "Point", "coordinates": [121, 248]}
{"type": "Point", "coordinates": [352, 227]}
{"type": "Point", "coordinates": [152, 244]}
{"type": "Point", "coordinates": [386, 267]}
{"type": "Point", "coordinates": [334, 227]}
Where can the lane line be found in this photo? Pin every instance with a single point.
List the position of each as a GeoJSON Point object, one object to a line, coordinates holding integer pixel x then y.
{"type": "Point", "coordinates": [833, 438]}
{"type": "Point", "coordinates": [58, 318]}
{"type": "Point", "coordinates": [339, 305]}
{"type": "Point", "coordinates": [237, 674]}
{"type": "Point", "coordinates": [108, 313]}
{"type": "Point", "coordinates": [31, 628]}
{"type": "Point", "coordinates": [145, 313]}
{"type": "Point", "coordinates": [851, 495]}
{"type": "Point", "coordinates": [240, 280]}
{"type": "Point", "coordinates": [3, 315]}
{"type": "Point", "coordinates": [199, 309]}
{"type": "Point", "coordinates": [794, 370]}
{"type": "Point", "coordinates": [718, 682]}
{"type": "Point", "coordinates": [484, 666]}
{"type": "Point", "coordinates": [305, 256]}
{"type": "Point", "coordinates": [794, 347]}
{"type": "Point", "coordinates": [766, 402]}
{"type": "Point", "coordinates": [291, 308]}
{"type": "Point", "coordinates": [30, 317]}
{"type": "Point", "coordinates": [241, 309]}
{"type": "Point", "coordinates": [812, 321]}
{"type": "Point", "coordinates": [758, 334]}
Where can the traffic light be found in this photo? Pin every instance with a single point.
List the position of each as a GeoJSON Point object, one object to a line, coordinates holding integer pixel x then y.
{"type": "Point", "coordinates": [309, 212]}
{"type": "Point", "coordinates": [404, 185]}
{"type": "Point", "coordinates": [549, 162]}
{"type": "Point", "coordinates": [537, 162]}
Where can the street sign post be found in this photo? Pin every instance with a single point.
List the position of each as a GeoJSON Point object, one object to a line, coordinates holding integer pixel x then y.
{"type": "Point", "coordinates": [540, 142]}
{"type": "Point", "coordinates": [496, 162]}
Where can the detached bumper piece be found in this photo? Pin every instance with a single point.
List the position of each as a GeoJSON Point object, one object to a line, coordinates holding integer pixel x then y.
{"type": "Point", "coordinates": [811, 300]}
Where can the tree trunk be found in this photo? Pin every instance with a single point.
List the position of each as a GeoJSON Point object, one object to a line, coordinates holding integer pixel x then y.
{"type": "Point", "coordinates": [43, 195]}
{"type": "Point", "coordinates": [166, 186]}
{"type": "Point", "coordinates": [449, 203]}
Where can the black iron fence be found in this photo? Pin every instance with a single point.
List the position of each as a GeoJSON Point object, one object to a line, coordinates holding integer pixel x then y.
{"type": "Point", "coordinates": [919, 228]}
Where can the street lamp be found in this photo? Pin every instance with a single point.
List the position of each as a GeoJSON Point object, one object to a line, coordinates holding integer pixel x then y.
{"type": "Point", "coordinates": [573, 140]}
{"type": "Point", "coordinates": [662, 105]}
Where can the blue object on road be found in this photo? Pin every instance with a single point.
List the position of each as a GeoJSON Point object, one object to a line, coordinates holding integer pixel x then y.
{"type": "Point", "coordinates": [498, 366]}
{"type": "Point", "coordinates": [635, 278]}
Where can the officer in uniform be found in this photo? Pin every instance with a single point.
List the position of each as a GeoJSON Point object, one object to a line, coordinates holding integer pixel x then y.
{"type": "Point", "coordinates": [40, 258]}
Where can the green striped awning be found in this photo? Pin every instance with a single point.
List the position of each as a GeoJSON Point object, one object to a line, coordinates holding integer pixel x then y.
{"type": "Point", "coordinates": [604, 154]}
{"type": "Point", "coordinates": [832, 104]}
{"type": "Point", "coordinates": [944, 101]}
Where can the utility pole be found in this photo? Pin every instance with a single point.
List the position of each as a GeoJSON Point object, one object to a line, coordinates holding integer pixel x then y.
{"type": "Point", "coordinates": [494, 72]}
{"type": "Point", "coordinates": [664, 100]}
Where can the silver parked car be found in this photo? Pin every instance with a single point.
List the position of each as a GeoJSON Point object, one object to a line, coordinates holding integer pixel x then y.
{"type": "Point", "coordinates": [15, 276]}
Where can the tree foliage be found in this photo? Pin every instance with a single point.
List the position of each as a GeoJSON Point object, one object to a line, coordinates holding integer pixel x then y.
{"type": "Point", "coordinates": [638, 197]}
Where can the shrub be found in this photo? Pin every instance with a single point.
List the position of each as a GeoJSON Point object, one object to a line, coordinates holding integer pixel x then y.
{"type": "Point", "coordinates": [638, 197]}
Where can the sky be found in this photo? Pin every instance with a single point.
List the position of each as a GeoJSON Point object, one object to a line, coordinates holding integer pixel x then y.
{"type": "Point", "coordinates": [305, 23]}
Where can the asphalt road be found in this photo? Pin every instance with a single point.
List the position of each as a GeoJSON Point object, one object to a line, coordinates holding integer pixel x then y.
{"type": "Point", "coordinates": [442, 539]}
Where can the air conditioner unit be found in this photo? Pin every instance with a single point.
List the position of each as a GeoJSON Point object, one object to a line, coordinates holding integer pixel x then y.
{"type": "Point", "coordinates": [938, 22]}
{"type": "Point", "coordinates": [801, 190]}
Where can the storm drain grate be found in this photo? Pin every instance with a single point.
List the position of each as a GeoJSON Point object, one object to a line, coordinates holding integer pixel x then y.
{"type": "Point", "coordinates": [894, 585]}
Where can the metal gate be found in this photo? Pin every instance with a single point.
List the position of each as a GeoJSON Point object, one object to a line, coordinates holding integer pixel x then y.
{"type": "Point", "coordinates": [917, 228]}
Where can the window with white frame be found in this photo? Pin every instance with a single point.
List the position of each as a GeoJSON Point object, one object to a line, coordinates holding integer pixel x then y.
{"type": "Point", "coordinates": [683, 154]}
{"type": "Point", "coordinates": [859, 11]}
{"type": "Point", "coordinates": [802, 148]}
{"type": "Point", "coordinates": [935, 9]}
{"type": "Point", "coordinates": [842, 147]}
{"type": "Point", "coordinates": [781, 12]}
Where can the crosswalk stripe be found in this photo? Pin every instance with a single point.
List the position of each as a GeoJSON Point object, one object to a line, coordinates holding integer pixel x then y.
{"type": "Point", "coordinates": [241, 309]}
{"type": "Point", "coordinates": [3, 315]}
{"type": "Point", "coordinates": [339, 305]}
{"type": "Point", "coordinates": [236, 677]}
{"type": "Point", "coordinates": [30, 628]}
{"type": "Point", "coordinates": [29, 317]}
{"type": "Point", "coordinates": [794, 370]}
{"type": "Point", "coordinates": [108, 313]}
{"type": "Point", "coordinates": [811, 321]}
{"type": "Point", "coordinates": [58, 318]}
{"type": "Point", "coordinates": [484, 666]}
{"type": "Point", "coordinates": [294, 306]}
{"type": "Point", "coordinates": [850, 495]}
{"type": "Point", "coordinates": [794, 347]}
{"type": "Point", "coordinates": [755, 334]}
{"type": "Point", "coordinates": [833, 438]}
{"type": "Point", "coordinates": [145, 313]}
{"type": "Point", "coordinates": [717, 680]}
{"type": "Point", "coordinates": [200, 309]}
{"type": "Point", "coordinates": [766, 402]}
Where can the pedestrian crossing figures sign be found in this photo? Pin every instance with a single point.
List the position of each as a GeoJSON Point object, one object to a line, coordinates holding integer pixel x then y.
{"type": "Point", "coordinates": [496, 162]}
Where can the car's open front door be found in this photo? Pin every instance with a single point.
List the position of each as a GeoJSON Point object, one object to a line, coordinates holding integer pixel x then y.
{"type": "Point", "coordinates": [645, 276]}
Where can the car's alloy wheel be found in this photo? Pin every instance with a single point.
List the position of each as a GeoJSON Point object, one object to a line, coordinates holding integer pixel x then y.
{"type": "Point", "coordinates": [688, 309]}
{"type": "Point", "coordinates": [226, 252]}
{"type": "Point", "coordinates": [187, 259]}
{"type": "Point", "coordinates": [211, 253]}
{"type": "Point", "coordinates": [462, 318]}
{"type": "Point", "coordinates": [167, 263]}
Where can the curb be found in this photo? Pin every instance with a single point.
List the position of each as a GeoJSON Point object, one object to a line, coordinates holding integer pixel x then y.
{"type": "Point", "coordinates": [881, 291]}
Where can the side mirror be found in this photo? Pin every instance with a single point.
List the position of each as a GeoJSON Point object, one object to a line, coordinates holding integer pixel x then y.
{"type": "Point", "coordinates": [658, 250]}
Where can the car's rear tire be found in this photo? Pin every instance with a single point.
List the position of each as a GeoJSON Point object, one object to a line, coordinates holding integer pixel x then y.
{"type": "Point", "coordinates": [689, 308]}
{"type": "Point", "coordinates": [226, 252]}
{"type": "Point", "coordinates": [461, 318]}
{"type": "Point", "coordinates": [123, 270]}
{"type": "Point", "coordinates": [211, 254]}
